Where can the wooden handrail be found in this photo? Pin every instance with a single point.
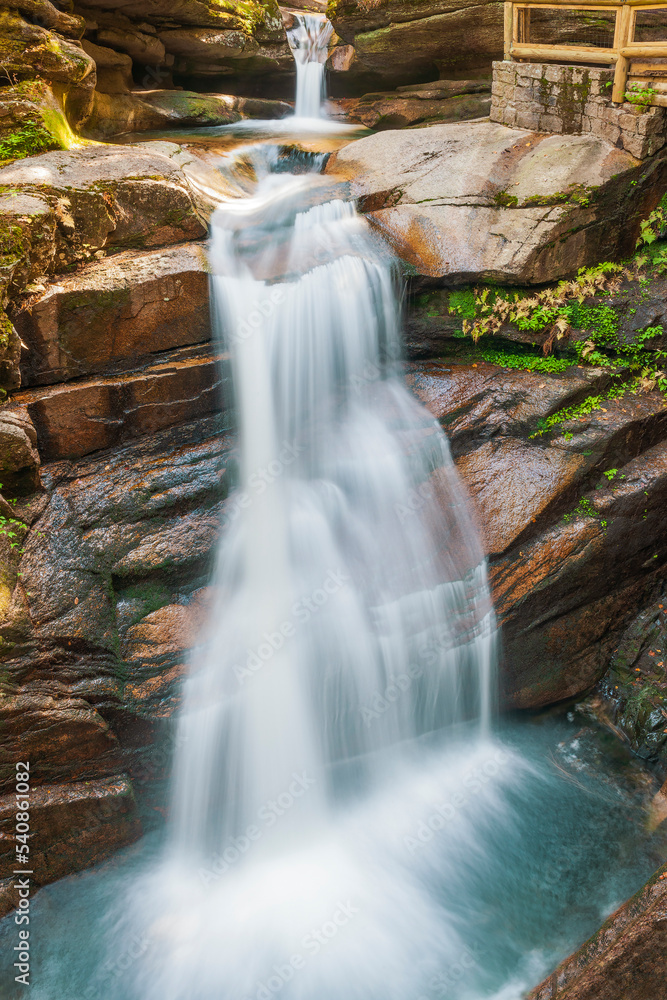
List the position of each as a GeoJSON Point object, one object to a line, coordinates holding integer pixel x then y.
{"type": "Point", "coordinates": [619, 55]}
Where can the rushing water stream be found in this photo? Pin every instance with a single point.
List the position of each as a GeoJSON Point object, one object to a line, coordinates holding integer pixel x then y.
{"type": "Point", "coordinates": [346, 825]}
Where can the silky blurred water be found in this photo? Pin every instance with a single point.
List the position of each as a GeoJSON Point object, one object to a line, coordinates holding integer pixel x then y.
{"type": "Point", "coordinates": [546, 838]}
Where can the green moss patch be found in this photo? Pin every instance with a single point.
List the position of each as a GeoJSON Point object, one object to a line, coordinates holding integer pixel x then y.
{"type": "Point", "coordinates": [30, 139]}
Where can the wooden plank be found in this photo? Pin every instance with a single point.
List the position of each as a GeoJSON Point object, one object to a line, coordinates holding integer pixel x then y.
{"type": "Point", "coordinates": [612, 5]}
{"type": "Point", "coordinates": [618, 29]}
{"type": "Point", "coordinates": [595, 5]}
{"type": "Point", "coordinates": [660, 86]}
{"type": "Point", "coordinates": [647, 69]}
{"type": "Point", "coordinates": [566, 53]}
{"type": "Point", "coordinates": [645, 49]}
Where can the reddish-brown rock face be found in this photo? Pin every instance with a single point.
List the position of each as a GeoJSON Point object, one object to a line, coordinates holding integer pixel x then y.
{"type": "Point", "coordinates": [564, 584]}
{"type": "Point", "coordinates": [75, 419]}
{"type": "Point", "coordinates": [114, 311]}
{"type": "Point", "coordinates": [126, 406]}
{"type": "Point", "coordinates": [625, 960]}
{"type": "Point", "coordinates": [73, 826]}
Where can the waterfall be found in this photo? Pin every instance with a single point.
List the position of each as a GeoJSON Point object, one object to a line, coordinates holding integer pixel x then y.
{"type": "Point", "coordinates": [350, 567]}
{"type": "Point", "coordinates": [309, 41]}
{"type": "Point", "coordinates": [352, 636]}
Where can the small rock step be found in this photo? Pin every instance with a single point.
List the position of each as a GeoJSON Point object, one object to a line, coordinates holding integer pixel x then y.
{"type": "Point", "coordinates": [75, 825]}
{"type": "Point", "coordinates": [114, 312]}
{"type": "Point", "coordinates": [79, 417]}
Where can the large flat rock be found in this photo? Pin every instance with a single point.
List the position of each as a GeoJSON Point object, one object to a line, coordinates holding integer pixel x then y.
{"type": "Point", "coordinates": [108, 196]}
{"type": "Point", "coordinates": [114, 312]}
{"type": "Point", "coordinates": [465, 202]}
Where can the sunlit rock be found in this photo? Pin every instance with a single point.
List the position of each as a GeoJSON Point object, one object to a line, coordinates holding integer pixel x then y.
{"type": "Point", "coordinates": [469, 201]}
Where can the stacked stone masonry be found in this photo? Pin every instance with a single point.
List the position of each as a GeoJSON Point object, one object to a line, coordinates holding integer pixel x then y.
{"type": "Point", "coordinates": [571, 100]}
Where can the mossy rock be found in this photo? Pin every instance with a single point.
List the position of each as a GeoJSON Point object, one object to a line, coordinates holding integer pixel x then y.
{"type": "Point", "coordinates": [29, 52]}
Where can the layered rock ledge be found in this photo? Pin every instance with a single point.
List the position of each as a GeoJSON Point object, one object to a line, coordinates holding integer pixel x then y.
{"type": "Point", "coordinates": [481, 201]}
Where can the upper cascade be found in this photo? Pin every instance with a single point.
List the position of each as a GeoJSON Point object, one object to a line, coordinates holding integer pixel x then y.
{"type": "Point", "coordinates": [309, 41]}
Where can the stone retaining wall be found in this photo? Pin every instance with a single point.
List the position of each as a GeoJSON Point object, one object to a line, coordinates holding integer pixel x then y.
{"type": "Point", "coordinates": [545, 97]}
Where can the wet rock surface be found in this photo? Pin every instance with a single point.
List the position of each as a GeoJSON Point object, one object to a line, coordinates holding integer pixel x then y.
{"type": "Point", "coordinates": [127, 457]}
{"type": "Point", "coordinates": [96, 632]}
{"type": "Point", "coordinates": [482, 201]}
{"type": "Point", "coordinates": [74, 826]}
{"type": "Point", "coordinates": [570, 565]}
{"type": "Point", "coordinates": [625, 960]}
{"type": "Point", "coordinates": [114, 312]}
{"type": "Point", "coordinates": [632, 697]}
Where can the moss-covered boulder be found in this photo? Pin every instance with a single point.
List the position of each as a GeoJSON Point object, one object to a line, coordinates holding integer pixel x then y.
{"type": "Point", "coordinates": [32, 121]}
{"type": "Point", "coordinates": [27, 227]}
{"type": "Point", "coordinates": [115, 114]}
{"type": "Point", "coordinates": [30, 52]}
{"type": "Point", "coordinates": [112, 196]}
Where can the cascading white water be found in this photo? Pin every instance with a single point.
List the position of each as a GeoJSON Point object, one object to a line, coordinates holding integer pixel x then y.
{"type": "Point", "coordinates": [309, 41]}
{"type": "Point", "coordinates": [353, 618]}
{"type": "Point", "coordinates": [351, 562]}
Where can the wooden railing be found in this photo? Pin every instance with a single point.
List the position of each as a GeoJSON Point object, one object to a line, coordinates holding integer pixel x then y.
{"type": "Point", "coordinates": [624, 52]}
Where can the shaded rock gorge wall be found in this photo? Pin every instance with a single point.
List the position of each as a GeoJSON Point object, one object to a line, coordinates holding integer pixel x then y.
{"type": "Point", "coordinates": [399, 42]}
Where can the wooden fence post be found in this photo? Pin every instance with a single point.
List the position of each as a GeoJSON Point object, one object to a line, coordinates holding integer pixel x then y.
{"type": "Point", "coordinates": [509, 28]}
{"type": "Point", "coordinates": [622, 37]}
